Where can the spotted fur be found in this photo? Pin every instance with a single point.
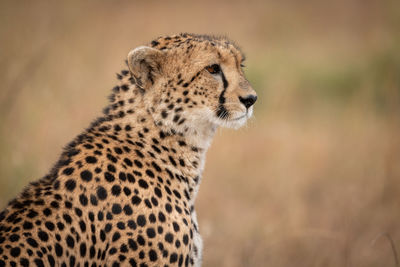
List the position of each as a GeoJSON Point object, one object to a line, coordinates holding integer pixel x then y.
{"type": "Point", "coordinates": [122, 193]}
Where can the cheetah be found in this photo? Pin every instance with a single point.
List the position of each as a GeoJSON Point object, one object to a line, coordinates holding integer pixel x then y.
{"type": "Point", "coordinates": [122, 193]}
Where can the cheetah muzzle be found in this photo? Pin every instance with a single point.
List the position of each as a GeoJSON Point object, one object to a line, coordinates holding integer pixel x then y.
{"type": "Point", "coordinates": [122, 193]}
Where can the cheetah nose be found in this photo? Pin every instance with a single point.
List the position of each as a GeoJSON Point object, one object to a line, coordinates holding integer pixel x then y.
{"type": "Point", "coordinates": [248, 101]}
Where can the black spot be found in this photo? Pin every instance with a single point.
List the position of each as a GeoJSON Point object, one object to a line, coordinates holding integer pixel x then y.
{"type": "Point", "coordinates": [116, 236]}
{"type": "Point", "coordinates": [108, 227]}
{"type": "Point", "coordinates": [83, 199]}
{"type": "Point", "coordinates": [150, 232]}
{"type": "Point", "coordinates": [111, 168]}
{"type": "Point", "coordinates": [150, 173]}
{"type": "Point", "coordinates": [148, 204]}
{"type": "Point", "coordinates": [177, 194]}
{"type": "Point", "coordinates": [102, 235]}
{"type": "Point", "coordinates": [116, 208]}
{"type": "Point", "coordinates": [43, 236]}
{"type": "Point", "coordinates": [15, 252]}
{"type": "Point", "coordinates": [160, 229]}
{"type": "Point", "coordinates": [124, 248]}
{"type": "Point", "coordinates": [92, 251]}
{"type": "Point", "coordinates": [68, 204]}
{"type": "Point", "coordinates": [23, 261]}
{"type": "Point", "coordinates": [59, 250]}
{"type": "Point", "coordinates": [91, 159]}
{"type": "Point", "coordinates": [109, 177]}
{"type": "Point", "coordinates": [122, 176]}
{"type": "Point", "coordinates": [93, 200]}
{"type": "Point", "coordinates": [155, 166]}
{"type": "Point", "coordinates": [185, 239]}
{"type": "Point", "coordinates": [171, 159]}
{"type": "Point", "coordinates": [82, 225]}
{"type": "Point", "coordinates": [154, 201]}
{"type": "Point", "coordinates": [86, 175]}
{"type": "Point", "coordinates": [39, 263]}
{"type": "Point", "coordinates": [133, 263]}
{"type": "Point", "coordinates": [116, 126]}
{"type": "Point", "coordinates": [78, 212]}
{"type": "Point", "coordinates": [112, 158]}
{"type": "Point", "coordinates": [121, 225]}
{"type": "Point", "coordinates": [131, 179]}
{"type": "Point", "coordinates": [60, 226]}
{"type": "Point", "coordinates": [101, 193]}
{"type": "Point", "coordinates": [71, 261]}
{"type": "Point", "coordinates": [176, 226]}
{"type": "Point", "coordinates": [91, 217]}
{"type": "Point", "coordinates": [152, 255]}
{"type": "Point", "coordinates": [70, 185]}
{"type": "Point", "coordinates": [128, 162]}
{"type": "Point", "coordinates": [176, 118]}
{"type": "Point", "coordinates": [143, 183]}
{"type": "Point", "coordinates": [169, 238]}
{"type": "Point", "coordinates": [141, 240]}
{"type": "Point", "coordinates": [32, 214]}
{"type": "Point", "coordinates": [128, 210]}
{"type": "Point", "coordinates": [141, 220]}
{"type": "Point", "coordinates": [182, 162]}
{"type": "Point", "coordinates": [173, 258]}
{"type": "Point", "coordinates": [14, 238]}
{"type": "Point", "coordinates": [50, 226]}
{"type": "Point", "coordinates": [168, 208]}
{"type": "Point", "coordinates": [116, 190]}
{"type": "Point", "coordinates": [68, 171]}
{"type": "Point", "coordinates": [136, 200]}
{"type": "Point", "coordinates": [157, 191]}
{"type": "Point", "coordinates": [152, 218]}
{"type": "Point", "coordinates": [82, 249]}
{"type": "Point", "coordinates": [138, 163]}
{"type": "Point", "coordinates": [140, 154]}
{"type": "Point", "coordinates": [27, 225]}
{"type": "Point", "coordinates": [132, 224]}
{"type": "Point", "coordinates": [54, 204]}
{"type": "Point", "coordinates": [70, 241]}
{"type": "Point", "coordinates": [32, 242]}
{"type": "Point", "coordinates": [161, 217]}
{"type": "Point", "coordinates": [100, 215]}
{"type": "Point", "coordinates": [127, 191]}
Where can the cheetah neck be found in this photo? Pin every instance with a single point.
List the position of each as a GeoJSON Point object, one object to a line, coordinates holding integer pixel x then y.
{"type": "Point", "coordinates": [127, 118]}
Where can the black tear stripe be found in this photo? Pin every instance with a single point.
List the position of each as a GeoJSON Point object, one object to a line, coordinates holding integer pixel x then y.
{"type": "Point", "coordinates": [225, 82]}
{"type": "Point", "coordinates": [221, 111]}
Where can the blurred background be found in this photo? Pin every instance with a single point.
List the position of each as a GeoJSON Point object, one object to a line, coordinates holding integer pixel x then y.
{"type": "Point", "coordinates": [314, 177]}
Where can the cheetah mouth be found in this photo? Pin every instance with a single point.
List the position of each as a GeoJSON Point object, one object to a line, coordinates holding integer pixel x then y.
{"type": "Point", "coordinates": [239, 118]}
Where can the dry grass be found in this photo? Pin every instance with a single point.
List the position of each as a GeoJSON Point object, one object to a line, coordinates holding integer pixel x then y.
{"type": "Point", "coordinates": [313, 180]}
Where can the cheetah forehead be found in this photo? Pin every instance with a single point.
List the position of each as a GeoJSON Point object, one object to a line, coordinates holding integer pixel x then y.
{"type": "Point", "coordinates": [186, 41]}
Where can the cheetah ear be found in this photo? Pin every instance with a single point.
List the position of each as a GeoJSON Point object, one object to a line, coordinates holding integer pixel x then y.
{"type": "Point", "coordinates": [145, 65]}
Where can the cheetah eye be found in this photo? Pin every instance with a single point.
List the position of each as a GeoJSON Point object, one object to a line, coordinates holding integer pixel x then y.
{"type": "Point", "coordinates": [242, 65]}
{"type": "Point", "coordinates": [214, 69]}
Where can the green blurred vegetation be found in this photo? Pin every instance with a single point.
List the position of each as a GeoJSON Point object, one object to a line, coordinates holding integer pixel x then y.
{"type": "Point", "coordinates": [312, 180]}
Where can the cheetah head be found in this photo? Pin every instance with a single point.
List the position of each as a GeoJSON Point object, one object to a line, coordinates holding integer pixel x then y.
{"type": "Point", "coordinates": [192, 83]}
